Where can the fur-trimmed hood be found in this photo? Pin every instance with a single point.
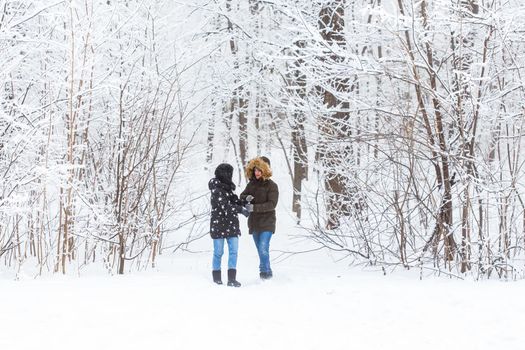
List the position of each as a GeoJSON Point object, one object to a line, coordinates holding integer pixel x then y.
{"type": "Point", "coordinates": [260, 164]}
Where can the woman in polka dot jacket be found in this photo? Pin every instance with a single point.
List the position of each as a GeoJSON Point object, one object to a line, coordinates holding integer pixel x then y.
{"type": "Point", "coordinates": [224, 223]}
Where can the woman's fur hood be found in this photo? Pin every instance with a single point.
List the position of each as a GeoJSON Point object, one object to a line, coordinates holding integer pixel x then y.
{"type": "Point", "coordinates": [260, 164]}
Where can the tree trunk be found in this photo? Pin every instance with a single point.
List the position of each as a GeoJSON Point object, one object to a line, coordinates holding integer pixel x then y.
{"type": "Point", "coordinates": [300, 148]}
{"type": "Point", "coordinates": [333, 127]}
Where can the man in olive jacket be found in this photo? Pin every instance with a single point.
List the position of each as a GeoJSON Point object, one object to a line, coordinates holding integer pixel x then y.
{"type": "Point", "coordinates": [261, 222]}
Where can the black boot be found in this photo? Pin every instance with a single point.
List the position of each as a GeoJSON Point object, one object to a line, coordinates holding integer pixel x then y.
{"type": "Point", "coordinates": [232, 282]}
{"type": "Point", "coordinates": [217, 276]}
{"type": "Point", "coordinates": [266, 275]}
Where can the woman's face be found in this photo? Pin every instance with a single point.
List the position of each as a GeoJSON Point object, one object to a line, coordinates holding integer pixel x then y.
{"type": "Point", "coordinates": [258, 173]}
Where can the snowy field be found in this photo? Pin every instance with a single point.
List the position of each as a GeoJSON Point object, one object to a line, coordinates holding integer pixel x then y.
{"type": "Point", "coordinates": [311, 303]}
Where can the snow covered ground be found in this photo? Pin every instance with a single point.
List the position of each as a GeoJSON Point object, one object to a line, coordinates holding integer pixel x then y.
{"type": "Point", "coordinates": [311, 303]}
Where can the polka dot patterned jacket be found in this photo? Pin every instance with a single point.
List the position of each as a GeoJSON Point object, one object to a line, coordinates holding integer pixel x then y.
{"type": "Point", "coordinates": [225, 205]}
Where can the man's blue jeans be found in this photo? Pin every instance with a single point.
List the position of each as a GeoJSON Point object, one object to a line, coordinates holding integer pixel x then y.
{"type": "Point", "coordinates": [218, 251]}
{"type": "Point", "coordinates": [262, 242]}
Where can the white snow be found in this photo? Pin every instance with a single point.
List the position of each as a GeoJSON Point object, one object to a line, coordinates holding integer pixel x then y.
{"type": "Point", "coordinates": [311, 303]}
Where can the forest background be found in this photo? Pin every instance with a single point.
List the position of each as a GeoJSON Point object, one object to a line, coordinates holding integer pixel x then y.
{"type": "Point", "coordinates": [398, 126]}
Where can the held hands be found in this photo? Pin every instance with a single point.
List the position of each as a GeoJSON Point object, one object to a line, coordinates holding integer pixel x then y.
{"type": "Point", "coordinates": [244, 211]}
{"type": "Point", "coordinates": [248, 208]}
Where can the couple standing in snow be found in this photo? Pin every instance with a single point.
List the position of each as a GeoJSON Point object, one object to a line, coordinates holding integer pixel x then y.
{"type": "Point", "coordinates": [257, 202]}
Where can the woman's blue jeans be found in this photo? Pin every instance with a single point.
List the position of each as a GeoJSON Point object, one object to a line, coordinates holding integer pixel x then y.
{"type": "Point", "coordinates": [262, 242]}
{"type": "Point", "coordinates": [218, 251]}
